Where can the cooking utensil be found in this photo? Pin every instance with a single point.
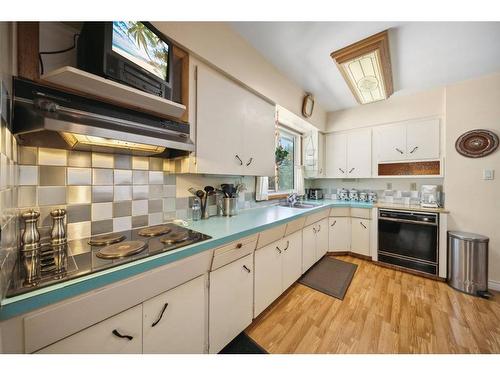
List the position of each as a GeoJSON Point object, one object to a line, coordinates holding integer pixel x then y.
{"type": "Point", "coordinates": [193, 191]}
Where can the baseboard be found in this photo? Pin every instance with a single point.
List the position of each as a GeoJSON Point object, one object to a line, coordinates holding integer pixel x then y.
{"type": "Point", "coordinates": [355, 255]}
{"type": "Point", "coordinates": [494, 285]}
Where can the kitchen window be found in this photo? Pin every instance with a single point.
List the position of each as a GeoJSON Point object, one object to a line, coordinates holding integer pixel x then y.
{"type": "Point", "coordinates": [287, 157]}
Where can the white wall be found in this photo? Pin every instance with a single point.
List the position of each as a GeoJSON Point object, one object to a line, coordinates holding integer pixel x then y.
{"type": "Point", "coordinates": [218, 44]}
{"type": "Point", "coordinates": [474, 204]}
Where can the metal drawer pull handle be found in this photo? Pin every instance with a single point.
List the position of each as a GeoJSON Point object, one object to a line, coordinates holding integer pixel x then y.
{"type": "Point", "coordinates": [239, 159]}
{"type": "Point", "coordinates": [340, 169]}
{"type": "Point", "coordinates": [363, 225]}
{"type": "Point", "coordinates": [414, 149]}
{"type": "Point", "coordinates": [350, 171]}
{"type": "Point", "coordinates": [335, 222]}
{"type": "Point", "coordinates": [118, 334]}
{"type": "Point", "coordinates": [239, 246]}
{"type": "Point", "coordinates": [247, 269]}
{"type": "Point", "coordinates": [398, 150]}
{"type": "Point", "coordinates": [249, 162]}
{"type": "Point", "coordinates": [161, 315]}
{"type": "Point", "coordinates": [279, 250]}
{"type": "Point", "coordinates": [287, 244]}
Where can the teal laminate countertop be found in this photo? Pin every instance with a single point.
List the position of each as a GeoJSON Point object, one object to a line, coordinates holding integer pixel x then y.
{"type": "Point", "coordinates": [221, 229]}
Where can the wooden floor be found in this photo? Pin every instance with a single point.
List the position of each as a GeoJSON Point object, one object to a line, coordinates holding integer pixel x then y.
{"type": "Point", "coordinates": [384, 311]}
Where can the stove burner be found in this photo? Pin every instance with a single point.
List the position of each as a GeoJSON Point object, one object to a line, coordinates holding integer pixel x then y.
{"type": "Point", "coordinates": [176, 237]}
{"type": "Point", "coordinates": [157, 230]}
{"type": "Point", "coordinates": [106, 239]}
{"type": "Point", "coordinates": [121, 250]}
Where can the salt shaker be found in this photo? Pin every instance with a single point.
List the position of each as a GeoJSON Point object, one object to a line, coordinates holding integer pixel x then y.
{"type": "Point", "coordinates": [30, 250]}
{"type": "Point", "coordinates": [58, 239]}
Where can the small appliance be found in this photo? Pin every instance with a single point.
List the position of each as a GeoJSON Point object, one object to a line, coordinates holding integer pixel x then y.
{"type": "Point", "coordinates": [315, 194]}
{"type": "Point", "coordinates": [429, 196]}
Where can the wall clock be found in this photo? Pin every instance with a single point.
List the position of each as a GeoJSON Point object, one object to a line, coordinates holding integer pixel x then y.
{"type": "Point", "coordinates": [477, 143]}
{"type": "Point", "coordinates": [308, 105]}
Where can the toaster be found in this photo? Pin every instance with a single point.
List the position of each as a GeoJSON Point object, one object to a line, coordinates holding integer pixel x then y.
{"type": "Point", "coordinates": [315, 194]}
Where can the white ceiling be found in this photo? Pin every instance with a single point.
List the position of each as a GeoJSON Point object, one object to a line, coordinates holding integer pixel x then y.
{"type": "Point", "coordinates": [424, 55]}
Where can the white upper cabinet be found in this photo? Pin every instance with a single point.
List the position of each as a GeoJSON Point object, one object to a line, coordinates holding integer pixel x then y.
{"type": "Point", "coordinates": [234, 128]}
{"type": "Point", "coordinates": [348, 155]}
{"type": "Point", "coordinates": [417, 140]}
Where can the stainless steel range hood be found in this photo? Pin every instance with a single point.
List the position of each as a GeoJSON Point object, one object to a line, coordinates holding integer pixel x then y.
{"type": "Point", "coordinates": [46, 118]}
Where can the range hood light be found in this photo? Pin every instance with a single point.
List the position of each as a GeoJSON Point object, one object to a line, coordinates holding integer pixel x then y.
{"type": "Point", "coordinates": [74, 139]}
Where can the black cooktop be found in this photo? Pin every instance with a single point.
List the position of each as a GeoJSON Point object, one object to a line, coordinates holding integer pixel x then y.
{"type": "Point", "coordinates": [84, 259]}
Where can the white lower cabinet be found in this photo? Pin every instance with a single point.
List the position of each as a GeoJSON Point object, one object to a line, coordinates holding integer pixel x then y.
{"type": "Point", "coordinates": [321, 238]}
{"type": "Point", "coordinates": [339, 233]}
{"type": "Point", "coordinates": [174, 322]}
{"type": "Point", "coordinates": [120, 334]}
{"type": "Point", "coordinates": [314, 243]}
{"type": "Point", "coordinates": [360, 236]}
{"type": "Point", "coordinates": [277, 266]}
{"type": "Point", "coordinates": [231, 302]}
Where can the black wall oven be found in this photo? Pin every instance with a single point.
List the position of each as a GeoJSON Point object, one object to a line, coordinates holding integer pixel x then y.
{"type": "Point", "coordinates": [409, 239]}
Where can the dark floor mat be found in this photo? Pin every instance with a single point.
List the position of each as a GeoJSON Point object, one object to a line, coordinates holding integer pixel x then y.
{"type": "Point", "coordinates": [243, 344]}
{"type": "Point", "coordinates": [330, 276]}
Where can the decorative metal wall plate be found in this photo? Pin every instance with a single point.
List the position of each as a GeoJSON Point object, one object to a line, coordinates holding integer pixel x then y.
{"type": "Point", "coordinates": [477, 143]}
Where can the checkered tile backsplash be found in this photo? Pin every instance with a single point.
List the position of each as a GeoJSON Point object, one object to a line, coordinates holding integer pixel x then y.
{"type": "Point", "coordinates": [101, 192]}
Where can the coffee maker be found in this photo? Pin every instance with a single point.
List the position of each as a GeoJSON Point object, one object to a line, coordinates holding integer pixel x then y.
{"type": "Point", "coordinates": [429, 196]}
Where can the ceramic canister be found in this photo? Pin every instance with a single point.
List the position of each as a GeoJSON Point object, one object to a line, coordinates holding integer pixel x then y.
{"type": "Point", "coordinates": [363, 196]}
{"type": "Point", "coordinates": [343, 194]}
{"type": "Point", "coordinates": [372, 197]}
{"type": "Point", "coordinates": [353, 195]}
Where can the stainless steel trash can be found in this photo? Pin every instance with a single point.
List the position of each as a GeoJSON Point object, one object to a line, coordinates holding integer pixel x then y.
{"type": "Point", "coordinates": [468, 262]}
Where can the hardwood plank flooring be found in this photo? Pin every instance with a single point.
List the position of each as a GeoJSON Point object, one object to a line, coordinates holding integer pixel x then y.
{"type": "Point", "coordinates": [384, 311]}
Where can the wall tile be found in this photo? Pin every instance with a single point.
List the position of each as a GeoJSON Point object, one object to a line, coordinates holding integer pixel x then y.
{"type": "Point", "coordinates": [102, 211]}
{"type": "Point", "coordinates": [122, 193]}
{"type": "Point", "coordinates": [140, 177]}
{"type": "Point", "coordinates": [48, 195]}
{"type": "Point", "coordinates": [139, 221]}
{"type": "Point", "coordinates": [169, 179]}
{"type": "Point", "coordinates": [121, 224]}
{"type": "Point", "coordinates": [102, 194]}
{"type": "Point", "coordinates": [79, 194]}
{"type": "Point", "coordinates": [123, 161]}
{"type": "Point", "coordinates": [155, 205]}
{"type": "Point", "coordinates": [79, 176]}
{"type": "Point", "coordinates": [79, 159]}
{"type": "Point", "coordinates": [28, 175]}
{"type": "Point", "coordinates": [155, 191]}
{"type": "Point", "coordinates": [155, 219]}
{"type": "Point", "coordinates": [103, 226]}
{"type": "Point", "coordinates": [168, 204]}
{"type": "Point", "coordinates": [122, 177]}
{"type": "Point", "coordinates": [182, 203]}
{"type": "Point", "coordinates": [79, 230]}
{"type": "Point", "coordinates": [140, 162]}
{"type": "Point", "coordinates": [52, 176]}
{"type": "Point", "coordinates": [27, 155]}
{"type": "Point", "coordinates": [122, 208]}
{"type": "Point", "coordinates": [102, 160]}
{"type": "Point", "coordinates": [139, 207]}
{"type": "Point", "coordinates": [181, 214]}
{"type": "Point", "coordinates": [169, 191]}
{"type": "Point", "coordinates": [169, 215]}
{"type": "Point", "coordinates": [78, 213]}
{"type": "Point", "coordinates": [155, 164]}
{"type": "Point", "coordinates": [52, 156]}
{"type": "Point", "coordinates": [102, 176]}
{"type": "Point", "coordinates": [27, 196]}
{"type": "Point", "coordinates": [140, 192]}
{"type": "Point", "coordinates": [155, 178]}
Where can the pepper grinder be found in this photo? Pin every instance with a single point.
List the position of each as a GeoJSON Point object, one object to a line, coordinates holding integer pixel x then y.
{"type": "Point", "coordinates": [58, 239]}
{"type": "Point", "coordinates": [30, 250]}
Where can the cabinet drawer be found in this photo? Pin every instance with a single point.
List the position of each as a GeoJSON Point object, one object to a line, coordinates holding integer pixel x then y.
{"type": "Point", "coordinates": [271, 235]}
{"type": "Point", "coordinates": [362, 213]}
{"type": "Point", "coordinates": [315, 217]}
{"type": "Point", "coordinates": [235, 250]}
{"type": "Point", "coordinates": [340, 211]}
{"type": "Point", "coordinates": [100, 339]}
{"type": "Point", "coordinates": [295, 225]}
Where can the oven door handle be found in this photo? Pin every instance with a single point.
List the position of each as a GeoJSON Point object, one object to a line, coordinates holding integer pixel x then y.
{"type": "Point", "coordinates": [407, 221]}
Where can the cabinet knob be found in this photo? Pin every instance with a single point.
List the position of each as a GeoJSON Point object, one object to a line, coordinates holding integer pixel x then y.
{"type": "Point", "coordinates": [239, 159]}
{"type": "Point", "coordinates": [161, 315]}
{"type": "Point", "coordinates": [414, 149]}
{"type": "Point", "coordinates": [118, 334]}
{"type": "Point", "coordinates": [247, 269]}
{"type": "Point", "coordinates": [239, 246]}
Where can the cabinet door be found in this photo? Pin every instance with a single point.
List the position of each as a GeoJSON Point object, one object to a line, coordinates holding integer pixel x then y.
{"type": "Point", "coordinates": [360, 236]}
{"type": "Point", "coordinates": [390, 142]}
{"type": "Point", "coordinates": [422, 140]}
{"type": "Point", "coordinates": [321, 238]}
{"type": "Point", "coordinates": [231, 302]}
{"type": "Point", "coordinates": [100, 339]}
{"type": "Point", "coordinates": [359, 154]}
{"type": "Point", "coordinates": [336, 155]}
{"type": "Point", "coordinates": [339, 233]}
{"type": "Point", "coordinates": [308, 247]}
{"type": "Point", "coordinates": [174, 322]}
{"type": "Point", "coordinates": [221, 105]}
{"type": "Point", "coordinates": [292, 259]}
{"type": "Point", "coordinates": [268, 275]}
{"type": "Point", "coordinates": [258, 135]}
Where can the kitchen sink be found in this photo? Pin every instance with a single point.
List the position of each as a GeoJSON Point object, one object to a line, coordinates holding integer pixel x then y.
{"type": "Point", "coordinates": [299, 205]}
